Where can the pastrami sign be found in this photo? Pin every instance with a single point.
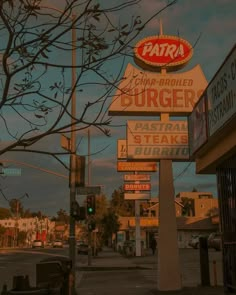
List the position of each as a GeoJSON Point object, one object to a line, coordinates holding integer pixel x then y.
{"type": "Point", "coordinates": [162, 51]}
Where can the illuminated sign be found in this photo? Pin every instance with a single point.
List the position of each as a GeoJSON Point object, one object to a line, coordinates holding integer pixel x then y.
{"type": "Point", "coordinates": [136, 166]}
{"type": "Point", "coordinates": [162, 51]}
{"type": "Point", "coordinates": [137, 186]}
{"type": "Point", "coordinates": [221, 94]}
{"type": "Point", "coordinates": [150, 94]}
{"type": "Point", "coordinates": [137, 177]}
{"type": "Point", "coordinates": [154, 140]}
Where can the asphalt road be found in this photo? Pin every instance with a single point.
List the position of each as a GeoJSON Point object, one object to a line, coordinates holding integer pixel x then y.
{"type": "Point", "coordinates": [117, 282]}
{"type": "Point", "coordinates": [23, 262]}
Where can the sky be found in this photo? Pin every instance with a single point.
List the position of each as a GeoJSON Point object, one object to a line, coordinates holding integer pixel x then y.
{"type": "Point", "coordinates": [210, 23]}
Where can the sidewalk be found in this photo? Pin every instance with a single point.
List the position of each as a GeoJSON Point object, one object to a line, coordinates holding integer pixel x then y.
{"type": "Point", "coordinates": [111, 260]}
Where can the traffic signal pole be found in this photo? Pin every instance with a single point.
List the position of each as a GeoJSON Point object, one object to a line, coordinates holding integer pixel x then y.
{"type": "Point", "coordinates": [90, 208]}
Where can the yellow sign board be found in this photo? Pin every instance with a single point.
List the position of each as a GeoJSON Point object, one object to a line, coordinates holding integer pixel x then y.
{"type": "Point", "coordinates": [136, 166]}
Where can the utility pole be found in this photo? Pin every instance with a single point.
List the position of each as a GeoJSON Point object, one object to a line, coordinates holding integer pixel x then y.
{"type": "Point", "coordinates": [88, 217]}
{"type": "Point", "coordinates": [72, 244]}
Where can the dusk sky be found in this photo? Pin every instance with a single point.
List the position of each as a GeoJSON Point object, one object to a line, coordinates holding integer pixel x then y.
{"type": "Point", "coordinates": [212, 26]}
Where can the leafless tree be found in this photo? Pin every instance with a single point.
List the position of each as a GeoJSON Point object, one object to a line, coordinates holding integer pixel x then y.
{"type": "Point", "coordinates": [35, 70]}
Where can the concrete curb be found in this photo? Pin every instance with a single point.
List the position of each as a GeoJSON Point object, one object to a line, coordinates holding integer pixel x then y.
{"type": "Point", "coordinates": [192, 291]}
{"type": "Point", "coordinates": [107, 268]}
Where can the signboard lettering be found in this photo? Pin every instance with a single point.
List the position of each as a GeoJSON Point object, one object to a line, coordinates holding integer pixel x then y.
{"type": "Point", "coordinates": [136, 166]}
{"type": "Point", "coordinates": [121, 149]}
{"type": "Point", "coordinates": [221, 94]}
{"type": "Point", "coordinates": [137, 186]}
{"type": "Point", "coordinates": [137, 177]}
{"type": "Point", "coordinates": [157, 140]}
{"type": "Point", "coordinates": [163, 51]}
{"type": "Point", "coordinates": [150, 94]}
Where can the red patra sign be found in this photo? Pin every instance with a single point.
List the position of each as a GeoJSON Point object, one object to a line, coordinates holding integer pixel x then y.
{"type": "Point", "coordinates": [163, 51]}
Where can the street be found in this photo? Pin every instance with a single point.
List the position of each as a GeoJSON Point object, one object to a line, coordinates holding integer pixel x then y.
{"type": "Point", "coordinates": [23, 262]}
{"type": "Point", "coordinates": [141, 277]}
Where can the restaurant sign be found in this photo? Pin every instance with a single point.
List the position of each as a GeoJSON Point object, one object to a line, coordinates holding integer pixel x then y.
{"type": "Point", "coordinates": [121, 149]}
{"type": "Point", "coordinates": [197, 125]}
{"type": "Point", "coordinates": [155, 140]}
{"type": "Point", "coordinates": [150, 94]}
{"type": "Point", "coordinates": [136, 166]}
{"type": "Point", "coordinates": [157, 52]}
{"type": "Point", "coordinates": [137, 186]}
{"type": "Point", "coordinates": [137, 177]}
{"type": "Point", "coordinates": [221, 94]}
{"type": "Point", "coordinates": [137, 196]}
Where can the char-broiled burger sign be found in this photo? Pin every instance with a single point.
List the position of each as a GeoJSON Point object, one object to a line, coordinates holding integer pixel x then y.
{"type": "Point", "coordinates": [157, 52]}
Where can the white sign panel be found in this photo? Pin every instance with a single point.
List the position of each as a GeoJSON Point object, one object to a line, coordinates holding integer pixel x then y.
{"type": "Point", "coordinates": [137, 196]}
{"type": "Point", "coordinates": [137, 177]}
{"type": "Point", "coordinates": [121, 149]}
{"type": "Point", "coordinates": [221, 94]}
{"type": "Point", "coordinates": [198, 125]}
{"type": "Point", "coordinates": [154, 140]}
{"type": "Point", "coordinates": [137, 186]}
{"type": "Point", "coordinates": [149, 94]}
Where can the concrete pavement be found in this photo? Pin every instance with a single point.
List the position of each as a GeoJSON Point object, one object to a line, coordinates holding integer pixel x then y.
{"type": "Point", "coordinates": [111, 260]}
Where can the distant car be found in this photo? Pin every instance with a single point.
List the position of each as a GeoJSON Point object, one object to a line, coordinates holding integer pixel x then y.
{"type": "Point", "coordinates": [49, 243]}
{"type": "Point", "coordinates": [194, 242]}
{"type": "Point", "coordinates": [57, 244]}
{"type": "Point", "coordinates": [37, 244]}
{"type": "Point", "coordinates": [215, 241]}
{"type": "Point", "coordinates": [82, 249]}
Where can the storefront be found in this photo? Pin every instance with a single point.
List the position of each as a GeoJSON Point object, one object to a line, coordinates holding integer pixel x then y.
{"type": "Point", "coordinates": [212, 135]}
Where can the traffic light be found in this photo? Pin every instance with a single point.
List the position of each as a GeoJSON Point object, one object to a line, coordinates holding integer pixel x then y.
{"type": "Point", "coordinates": [91, 205]}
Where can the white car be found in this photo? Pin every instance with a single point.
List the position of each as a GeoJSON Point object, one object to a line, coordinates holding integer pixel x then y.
{"type": "Point", "coordinates": [194, 242]}
{"type": "Point", "coordinates": [37, 244]}
{"type": "Point", "coordinates": [57, 244]}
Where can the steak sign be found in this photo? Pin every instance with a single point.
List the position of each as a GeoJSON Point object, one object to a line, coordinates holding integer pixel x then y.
{"type": "Point", "coordinates": [157, 52]}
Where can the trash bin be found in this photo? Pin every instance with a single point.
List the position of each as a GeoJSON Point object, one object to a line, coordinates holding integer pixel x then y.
{"type": "Point", "coordinates": [53, 272]}
{"type": "Point", "coordinates": [21, 286]}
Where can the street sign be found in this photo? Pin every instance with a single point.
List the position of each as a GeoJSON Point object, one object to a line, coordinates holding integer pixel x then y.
{"type": "Point", "coordinates": [137, 177]}
{"type": "Point", "coordinates": [136, 166]}
{"type": "Point", "coordinates": [137, 186]}
{"type": "Point", "coordinates": [143, 196]}
{"type": "Point", "coordinates": [88, 190]}
{"type": "Point", "coordinates": [11, 171]}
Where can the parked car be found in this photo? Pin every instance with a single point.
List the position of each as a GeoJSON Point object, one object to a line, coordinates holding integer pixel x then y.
{"type": "Point", "coordinates": [82, 248]}
{"type": "Point", "coordinates": [37, 244]}
{"type": "Point", "coordinates": [215, 241]}
{"type": "Point", "coordinates": [57, 244]}
{"type": "Point", "coordinates": [194, 242]}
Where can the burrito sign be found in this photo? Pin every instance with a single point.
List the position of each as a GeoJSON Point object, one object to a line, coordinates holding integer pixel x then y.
{"type": "Point", "coordinates": [157, 52]}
